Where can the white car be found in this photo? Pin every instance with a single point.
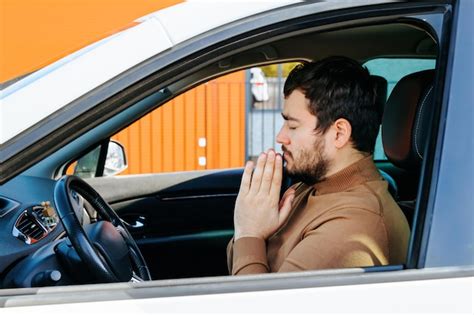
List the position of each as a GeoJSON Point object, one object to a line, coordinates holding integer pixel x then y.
{"type": "Point", "coordinates": [259, 85]}
{"type": "Point", "coordinates": [156, 242]}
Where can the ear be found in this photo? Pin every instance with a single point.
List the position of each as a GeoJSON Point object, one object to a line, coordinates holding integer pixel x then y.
{"type": "Point", "coordinates": [343, 131]}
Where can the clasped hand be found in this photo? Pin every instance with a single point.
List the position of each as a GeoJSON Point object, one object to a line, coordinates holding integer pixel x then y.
{"type": "Point", "coordinates": [258, 211]}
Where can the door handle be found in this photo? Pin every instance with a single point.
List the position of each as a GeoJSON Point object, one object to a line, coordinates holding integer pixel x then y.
{"type": "Point", "coordinates": [134, 223]}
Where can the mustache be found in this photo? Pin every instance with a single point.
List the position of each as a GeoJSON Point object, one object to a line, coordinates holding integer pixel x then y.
{"type": "Point", "coordinates": [285, 150]}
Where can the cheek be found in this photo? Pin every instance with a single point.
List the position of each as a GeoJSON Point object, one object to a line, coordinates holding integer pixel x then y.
{"type": "Point", "coordinates": [306, 140]}
{"type": "Point", "coordinates": [304, 143]}
{"type": "Point", "coordinates": [329, 144]}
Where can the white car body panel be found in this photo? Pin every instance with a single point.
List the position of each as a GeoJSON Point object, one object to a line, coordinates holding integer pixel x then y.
{"type": "Point", "coordinates": [181, 23]}
{"type": "Point", "coordinates": [22, 105]}
{"type": "Point", "coordinates": [453, 295]}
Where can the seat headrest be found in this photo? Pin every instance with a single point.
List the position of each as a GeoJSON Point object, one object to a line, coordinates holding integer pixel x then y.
{"type": "Point", "coordinates": [406, 119]}
{"type": "Point", "coordinates": [380, 84]}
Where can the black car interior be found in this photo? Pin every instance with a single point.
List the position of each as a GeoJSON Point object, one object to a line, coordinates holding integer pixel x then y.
{"type": "Point", "coordinates": [181, 222]}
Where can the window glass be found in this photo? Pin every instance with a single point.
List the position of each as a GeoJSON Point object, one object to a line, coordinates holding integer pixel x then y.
{"type": "Point", "coordinates": [218, 124]}
{"type": "Point", "coordinates": [226, 121]}
{"type": "Point", "coordinates": [266, 85]}
{"type": "Point", "coordinates": [86, 166]}
{"type": "Point", "coordinates": [393, 69]}
{"type": "Point", "coordinates": [203, 128]}
{"type": "Point", "coordinates": [264, 113]}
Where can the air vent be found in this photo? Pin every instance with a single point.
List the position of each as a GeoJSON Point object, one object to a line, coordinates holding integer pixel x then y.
{"type": "Point", "coordinates": [35, 223]}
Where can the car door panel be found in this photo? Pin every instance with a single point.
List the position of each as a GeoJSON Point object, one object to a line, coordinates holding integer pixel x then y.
{"type": "Point", "coordinates": [181, 221]}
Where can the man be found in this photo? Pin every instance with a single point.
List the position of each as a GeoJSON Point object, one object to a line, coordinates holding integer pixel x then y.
{"type": "Point", "coordinates": [340, 214]}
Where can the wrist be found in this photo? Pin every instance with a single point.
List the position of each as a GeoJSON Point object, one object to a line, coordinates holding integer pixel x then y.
{"type": "Point", "coordinates": [238, 235]}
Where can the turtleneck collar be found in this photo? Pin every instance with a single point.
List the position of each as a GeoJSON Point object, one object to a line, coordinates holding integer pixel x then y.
{"type": "Point", "coordinates": [362, 171]}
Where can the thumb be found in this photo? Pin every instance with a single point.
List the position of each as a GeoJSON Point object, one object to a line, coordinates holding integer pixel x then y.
{"type": "Point", "coordinates": [285, 209]}
{"type": "Point", "coordinates": [287, 193]}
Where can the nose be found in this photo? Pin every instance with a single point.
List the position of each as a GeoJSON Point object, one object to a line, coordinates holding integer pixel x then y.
{"type": "Point", "coordinates": [282, 137]}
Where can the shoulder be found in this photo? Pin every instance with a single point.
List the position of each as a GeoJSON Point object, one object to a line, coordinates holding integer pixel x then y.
{"type": "Point", "coordinates": [348, 222]}
{"type": "Point", "coordinates": [359, 198]}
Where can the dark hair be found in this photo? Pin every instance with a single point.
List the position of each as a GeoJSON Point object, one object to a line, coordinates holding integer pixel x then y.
{"type": "Point", "coordinates": [339, 87]}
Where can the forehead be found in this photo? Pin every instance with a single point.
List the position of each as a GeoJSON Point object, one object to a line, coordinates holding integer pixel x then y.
{"type": "Point", "coordinates": [296, 107]}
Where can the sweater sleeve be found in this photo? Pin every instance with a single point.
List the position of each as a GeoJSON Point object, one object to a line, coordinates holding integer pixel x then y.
{"type": "Point", "coordinates": [356, 240]}
{"type": "Point", "coordinates": [247, 255]}
{"type": "Point", "coordinates": [230, 254]}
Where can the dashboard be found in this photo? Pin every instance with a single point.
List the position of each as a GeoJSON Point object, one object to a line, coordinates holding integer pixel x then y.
{"type": "Point", "coordinates": [30, 228]}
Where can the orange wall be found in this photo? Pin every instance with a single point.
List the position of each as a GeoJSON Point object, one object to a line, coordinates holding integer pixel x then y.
{"type": "Point", "coordinates": [35, 33]}
{"type": "Point", "coordinates": [167, 139]}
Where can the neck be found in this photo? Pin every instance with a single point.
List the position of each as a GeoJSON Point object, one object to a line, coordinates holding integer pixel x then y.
{"type": "Point", "coordinates": [343, 159]}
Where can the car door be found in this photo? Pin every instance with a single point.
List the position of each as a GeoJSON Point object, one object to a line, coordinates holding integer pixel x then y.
{"type": "Point", "coordinates": [182, 222]}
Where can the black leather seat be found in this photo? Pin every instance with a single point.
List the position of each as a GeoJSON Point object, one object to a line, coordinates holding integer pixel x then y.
{"type": "Point", "coordinates": [380, 85]}
{"type": "Point", "coordinates": [405, 125]}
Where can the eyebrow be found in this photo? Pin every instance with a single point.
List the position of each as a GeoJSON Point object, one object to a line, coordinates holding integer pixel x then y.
{"type": "Point", "coordinates": [287, 117]}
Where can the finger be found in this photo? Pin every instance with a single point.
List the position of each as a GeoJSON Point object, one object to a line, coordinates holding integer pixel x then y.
{"type": "Point", "coordinates": [287, 193]}
{"type": "Point", "coordinates": [285, 210]}
{"type": "Point", "coordinates": [257, 173]}
{"type": "Point", "coordinates": [246, 177]}
{"type": "Point", "coordinates": [267, 177]}
{"type": "Point", "coordinates": [277, 177]}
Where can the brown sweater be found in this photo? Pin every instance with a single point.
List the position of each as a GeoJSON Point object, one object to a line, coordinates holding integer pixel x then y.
{"type": "Point", "coordinates": [347, 220]}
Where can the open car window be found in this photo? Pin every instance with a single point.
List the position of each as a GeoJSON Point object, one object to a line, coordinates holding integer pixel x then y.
{"type": "Point", "coordinates": [219, 124]}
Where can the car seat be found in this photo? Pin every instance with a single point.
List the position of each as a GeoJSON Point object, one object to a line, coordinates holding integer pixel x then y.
{"type": "Point", "coordinates": [405, 126]}
{"type": "Point", "coordinates": [380, 86]}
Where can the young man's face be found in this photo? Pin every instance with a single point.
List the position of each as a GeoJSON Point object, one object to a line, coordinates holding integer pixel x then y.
{"type": "Point", "coordinates": [304, 149]}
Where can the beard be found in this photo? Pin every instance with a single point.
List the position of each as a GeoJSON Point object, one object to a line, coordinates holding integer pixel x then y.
{"type": "Point", "coordinates": [310, 165]}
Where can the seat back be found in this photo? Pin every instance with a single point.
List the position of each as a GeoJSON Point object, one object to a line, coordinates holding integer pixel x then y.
{"type": "Point", "coordinates": [405, 124]}
{"type": "Point", "coordinates": [406, 119]}
{"type": "Point", "coordinates": [380, 85]}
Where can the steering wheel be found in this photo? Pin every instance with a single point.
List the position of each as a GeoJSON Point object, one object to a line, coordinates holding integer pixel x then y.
{"type": "Point", "coordinates": [107, 249]}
